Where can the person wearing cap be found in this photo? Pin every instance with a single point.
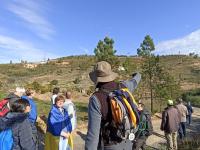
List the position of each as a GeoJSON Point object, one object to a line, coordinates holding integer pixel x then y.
{"type": "Point", "coordinates": [170, 125]}
{"type": "Point", "coordinates": [183, 113]}
{"type": "Point", "coordinates": [98, 110]}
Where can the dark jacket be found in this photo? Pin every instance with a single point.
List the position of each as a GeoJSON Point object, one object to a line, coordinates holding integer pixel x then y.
{"type": "Point", "coordinates": [21, 129]}
{"type": "Point", "coordinates": [8, 120]}
{"type": "Point", "coordinates": [170, 120]}
{"type": "Point", "coordinates": [190, 109]}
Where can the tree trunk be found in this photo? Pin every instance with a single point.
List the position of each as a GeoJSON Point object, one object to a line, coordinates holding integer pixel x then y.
{"type": "Point", "coordinates": [150, 84]}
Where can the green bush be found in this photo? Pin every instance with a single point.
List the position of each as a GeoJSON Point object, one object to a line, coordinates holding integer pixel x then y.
{"type": "Point", "coordinates": [10, 80]}
{"type": "Point", "coordinates": [54, 82]}
{"type": "Point", "coordinates": [2, 95]}
{"type": "Point", "coordinates": [77, 80]}
{"type": "Point", "coordinates": [193, 96]}
{"type": "Point", "coordinates": [40, 88]}
{"type": "Point", "coordinates": [90, 90]}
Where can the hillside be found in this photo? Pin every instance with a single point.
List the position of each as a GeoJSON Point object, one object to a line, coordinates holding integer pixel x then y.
{"type": "Point", "coordinates": [72, 72]}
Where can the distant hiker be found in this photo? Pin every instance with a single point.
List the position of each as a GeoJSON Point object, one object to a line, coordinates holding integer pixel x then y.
{"type": "Point", "coordinates": [145, 128]}
{"type": "Point", "coordinates": [190, 111]}
{"type": "Point", "coordinates": [170, 125]}
{"type": "Point", "coordinates": [56, 90]}
{"type": "Point", "coordinates": [183, 114]}
{"type": "Point", "coordinates": [33, 113]}
{"type": "Point", "coordinates": [17, 120]}
{"type": "Point", "coordinates": [99, 135]}
{"type": "Point", "coordinates": [70, 108]}
{"type": "Point", "coordinates": [58, 135]}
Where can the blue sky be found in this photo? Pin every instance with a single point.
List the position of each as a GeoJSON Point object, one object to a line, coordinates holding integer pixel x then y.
{"type": "Point", "coordinates": [34, 30]}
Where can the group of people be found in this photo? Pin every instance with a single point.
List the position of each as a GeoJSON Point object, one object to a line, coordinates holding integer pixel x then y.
{"type": "Point", "coordinates": [100, 114]}
{"type": "Point", "coordinates": [174, 119]}
{"type": "Point", "coordinates": [61, 122]}
{"type": "Point", "coordinates": [21, 117]}
{"type": "Point", "coordinates": [18, 122]}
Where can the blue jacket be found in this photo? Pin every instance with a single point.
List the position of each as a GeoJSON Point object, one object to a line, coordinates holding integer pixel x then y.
{"type": "Point", "coordinates": [33, 113]}
{"type": "Point", "coordinates": [57, 121]}
{"type": "Point", "coordinates": [6, 139]}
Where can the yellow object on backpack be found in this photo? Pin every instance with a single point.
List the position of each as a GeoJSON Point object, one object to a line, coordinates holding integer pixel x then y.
{"type": "Point", "coordinates": [124, 112]}
{"type": "Point", "coordinates": [131, 113]}
{"type": "Point", "coordinates": [126, 90]}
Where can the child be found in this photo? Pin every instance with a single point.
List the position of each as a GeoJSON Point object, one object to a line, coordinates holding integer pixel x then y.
{"type": "Point", "coordinates": [21, 128]}
{"type": "Point", "coordinates": [58, 127]}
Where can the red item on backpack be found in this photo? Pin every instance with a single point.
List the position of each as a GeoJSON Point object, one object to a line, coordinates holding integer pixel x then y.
{"type": "Point", "coordinates": [3, 107]}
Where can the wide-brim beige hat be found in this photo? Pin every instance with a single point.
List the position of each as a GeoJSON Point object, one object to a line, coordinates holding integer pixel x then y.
{"type": "Point", "coordinates": [102, 73]}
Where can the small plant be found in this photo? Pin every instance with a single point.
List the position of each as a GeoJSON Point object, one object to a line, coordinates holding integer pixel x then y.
{"type": "Point", "coordinates": [90, 90]}
{"type": "Point", "coordinates": [54, 82]}
{"type": "Point", "coordinates": [77, 80]}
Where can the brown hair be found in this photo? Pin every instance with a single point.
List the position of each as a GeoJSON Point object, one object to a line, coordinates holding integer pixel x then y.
{"type": "Point", "coordinates": [141, 104]}
{"type": "Point", "coordinates": [56, 90]}
{"type": "Point", "coordinates": [68, 95]}
{"type": "Point", "coordinates": [59, 98]}
{"type": "Point", "coordinates": [29, 92]}
{"type": "Point", "coordinates": [19, 105]}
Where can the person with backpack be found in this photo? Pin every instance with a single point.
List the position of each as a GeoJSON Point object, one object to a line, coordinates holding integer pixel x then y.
{"type": "Point", "coordinates": [17, 120]}
{"type": "Point", "coordinates": [33, 113]}
{"type": "Point", "coordinates": [190, 111]}
{"type": "Point", "coordinates": [101, 133]}
{"type": "Point", "coordinates": [6, 120]}
{"type": "Point", "coordinates": [145, 128]}
{"type": "Point", "coordinates": [6, 102]}
{"type": "Point", "coordinates": [170, 125]}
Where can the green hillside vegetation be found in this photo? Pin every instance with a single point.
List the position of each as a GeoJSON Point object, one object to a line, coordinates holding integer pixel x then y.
{"type": "Point", "coordinates": [75, 74]}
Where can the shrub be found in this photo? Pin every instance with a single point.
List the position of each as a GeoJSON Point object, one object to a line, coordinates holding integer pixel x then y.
{"type": "Point", "coordinates": [193, 96]}
{"type": "Point", "coordinates": [54, 82]}
{"type": "Point", "coordinates": [10, 80]}
{"type": "Point", "coordinates": [90, 90]}
{"type": "Point", "coordinates": [77, 80]}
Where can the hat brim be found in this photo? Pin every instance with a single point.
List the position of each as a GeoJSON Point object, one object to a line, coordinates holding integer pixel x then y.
{"type": "Point", "coordinates": [112, 76]}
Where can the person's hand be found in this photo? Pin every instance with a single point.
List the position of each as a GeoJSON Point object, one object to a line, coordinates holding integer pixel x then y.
{"type": "Point", "coordinates": [65, 134]}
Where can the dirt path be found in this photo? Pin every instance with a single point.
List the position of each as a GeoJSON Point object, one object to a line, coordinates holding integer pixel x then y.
{"type": "Point", "coordinates": [154, 140]}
